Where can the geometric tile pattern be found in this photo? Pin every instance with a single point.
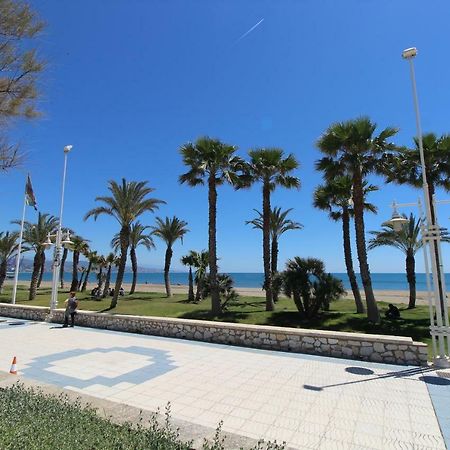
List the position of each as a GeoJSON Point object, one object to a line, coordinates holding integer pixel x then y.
{"type": "Point", "coordinates": [310, 402]}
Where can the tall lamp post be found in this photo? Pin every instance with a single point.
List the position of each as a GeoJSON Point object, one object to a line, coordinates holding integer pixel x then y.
{"type": "Point", "coordinates": [58, 241]}
{"type": "Point", "coordinates": [431, 237]}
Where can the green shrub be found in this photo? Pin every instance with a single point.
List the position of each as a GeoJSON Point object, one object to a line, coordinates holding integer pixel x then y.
{"type": "Point", "coordinates": [32, 420]}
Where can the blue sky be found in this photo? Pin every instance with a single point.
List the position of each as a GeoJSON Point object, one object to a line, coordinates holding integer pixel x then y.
{"type": "Point", "coordinates": [128, 82]}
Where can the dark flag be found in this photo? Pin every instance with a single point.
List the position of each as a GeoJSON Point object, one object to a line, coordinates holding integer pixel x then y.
{"type": "Point", "coordinates": [29, 194]}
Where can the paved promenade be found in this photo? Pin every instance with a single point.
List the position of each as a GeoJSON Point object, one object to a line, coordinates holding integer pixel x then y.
{"type": "Point", "coordinates": [308, 401]}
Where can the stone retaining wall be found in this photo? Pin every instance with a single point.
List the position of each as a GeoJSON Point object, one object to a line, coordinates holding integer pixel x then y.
{"type": "Point", "coordinates": [366, 347]}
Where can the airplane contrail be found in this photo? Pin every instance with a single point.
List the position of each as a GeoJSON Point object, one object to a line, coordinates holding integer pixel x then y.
{"type": "Point", "coordinates": [249, 31]}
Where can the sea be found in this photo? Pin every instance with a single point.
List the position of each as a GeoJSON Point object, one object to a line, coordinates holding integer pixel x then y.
{"type": "Point", "coordinates": [380, 281]}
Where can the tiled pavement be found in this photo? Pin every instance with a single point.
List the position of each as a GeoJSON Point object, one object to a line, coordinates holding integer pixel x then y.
{"type": "Point", "coordinates": [307, 401]}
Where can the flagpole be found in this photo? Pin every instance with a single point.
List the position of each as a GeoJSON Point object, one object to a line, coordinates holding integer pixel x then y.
{"type": "Point", "coordinates": [19, 250]}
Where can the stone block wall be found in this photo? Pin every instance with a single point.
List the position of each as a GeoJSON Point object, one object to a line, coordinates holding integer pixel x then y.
{"type": "Point", "coordinates": [358, 346]}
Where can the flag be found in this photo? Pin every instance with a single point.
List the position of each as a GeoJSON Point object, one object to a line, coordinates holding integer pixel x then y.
{"type": "Point", "coordinates": [29, 194]}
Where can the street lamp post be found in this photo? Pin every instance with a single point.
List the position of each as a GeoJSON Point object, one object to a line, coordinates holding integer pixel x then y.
{"type": "Point", "coordinates": [431, 237]}
{"type": "Point", "coordinates": [58, 240]}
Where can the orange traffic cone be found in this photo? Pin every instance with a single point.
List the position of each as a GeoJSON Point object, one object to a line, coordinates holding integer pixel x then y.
{"type": "Point", "coordinates": [13, 369]}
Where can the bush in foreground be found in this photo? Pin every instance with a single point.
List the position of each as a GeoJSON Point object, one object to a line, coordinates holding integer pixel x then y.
{"type": "Point", "coordinates": [32, 420]}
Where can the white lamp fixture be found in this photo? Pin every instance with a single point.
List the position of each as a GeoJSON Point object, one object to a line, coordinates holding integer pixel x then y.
{"type": "Point", "coordinates": [397, 220]}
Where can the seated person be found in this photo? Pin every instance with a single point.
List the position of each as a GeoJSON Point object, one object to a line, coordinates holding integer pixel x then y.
{"type": "Point", "coordinates": [121, 291]}
{"type": "Point", "coordinates": [393, 312]}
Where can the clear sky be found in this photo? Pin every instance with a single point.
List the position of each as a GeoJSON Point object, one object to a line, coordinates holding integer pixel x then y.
{"type": "Point", "coordinates": [129, 81]}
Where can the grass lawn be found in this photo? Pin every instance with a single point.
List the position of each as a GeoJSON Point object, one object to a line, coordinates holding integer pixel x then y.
{"type": "Point", "coordinates": [341, 317]}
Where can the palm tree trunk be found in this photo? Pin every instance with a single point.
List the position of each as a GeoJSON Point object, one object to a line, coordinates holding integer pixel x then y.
{"type": "Point", "coordinates": [274, 265]}
{"type": "Point", "coordinates": [431, 192]}
{"type": "Point", "coordinates": [107, 281]}
{"type": "Point", "coordinates": [216, 307]}
{"type": "Point", "coordinates": [358, 201]}
{"type": "Point", "coordinates": [349, 260]}
{"type": "Point", "coordinates": [41, 269]}
{"type": "Point", "coordinates": [76, 259]}
{"type": "Point", "coordinates": [81, 280]}
{"type": "Point", "coordinates": [411, 277]}
{"type": "Point", "coordinates": [191, 297]}
{"type": "Point", "coordinates": [61, 269]}
{"type": "Point", "coordinates": [198, 294]}
{"type": "Point", "coordinates": [35, 275]}
{"type": "Point", "coordinates": [266, 247]}
{"type": "Point", "coordinates": [167, 261]}
{"type": "Point", "coordinates": [124, 241]}
{"type": "Point", "coordinates": [86, 277]}
{"type": "Point", "coordinates": [99, 283]}
{"type": "Point", "coordinates": [3, 270]}
{"type": "Point", "coordinates": [134, 267]}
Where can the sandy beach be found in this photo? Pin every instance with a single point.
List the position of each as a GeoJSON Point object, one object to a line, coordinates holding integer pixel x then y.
{"type": "Point", "coordinates": [380, 295]}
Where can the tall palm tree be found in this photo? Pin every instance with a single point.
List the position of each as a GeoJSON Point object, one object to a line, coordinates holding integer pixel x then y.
{"type": "Point", "coordinates": [406, 240]}
{"type": "Point", "coordinates": [201, 263]}
{"type": "Point", "coordinates": [188, 260]}
{"type": "Point", "coordinates": [111, 260]}
{"type": "Point", "coordinates": [92, 257]}
{"type": "Point", "coordinates": [211, 161]}
{"type": "Point", "coordinates": [353, 148]}
{"type": "Point", "coordinates": [269, 167]}
{"type": "Point", "coordinates": [8, 249]}
{"type": "Point", "coordinates": [169, 230]}
{"type": "Point", "coordinates": [138, 236]}
{"type": "Point", "coordinates": [35, 234]}
{"type": "Point", "coordinates": [335, 197]}
{"type": "Point", "coordinates": [279, 224]}
{"type": "Point", "coordinates": [78, 246]}
{"type": "Point", "coordinates": [127, 202]}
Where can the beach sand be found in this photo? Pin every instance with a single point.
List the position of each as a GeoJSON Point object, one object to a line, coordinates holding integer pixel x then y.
{"type": "Point", "coordinates": [380, 295]}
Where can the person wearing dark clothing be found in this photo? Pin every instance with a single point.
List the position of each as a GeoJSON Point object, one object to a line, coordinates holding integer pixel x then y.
{"type": "Point", "coordinates": [71, 310]}
{"type": "Point", "coordinates": [393, 312]}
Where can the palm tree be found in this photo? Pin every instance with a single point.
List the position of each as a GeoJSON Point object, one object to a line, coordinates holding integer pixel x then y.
{"type": "Point", "coordinates": [406, 240]}
{"type": "Point", "coordinates": [101, 264]}
{"type": "Point", "coordinates": [335, 197]}
{"type": "Point", "coordinates": [268, 166]}
{"type": "Point", "coordinates": [188, 260]}
{"type": "Point", "coordinates": [111, 260]}
{"type": "Point", "coordinates": [169, 230]}
{"type": "Point", "coordinates": [138, 236]}
{"type": "Point", "coordinates": [92, 257]}
{"type": "Point", "coordinates": [201, 262]}
{"type": "Point", "coordinates": [78, 246]}
{"type": "Point", "coordinates": [278, 226]}
{"type": "Point", "coordinates": [311, 288]}
{"type": "Point", "coordinates": [352, 148]}
{"type": "Point", "coordinates": [41, 268]}
{"type": "Point", "coordinates": [8, 249]}
{"type": "Point", "coordinates": [127, 202]}
{"type": "Point", "coordinates": [35, 234]}
{"type": "Point", "coordinates": [211, 161]}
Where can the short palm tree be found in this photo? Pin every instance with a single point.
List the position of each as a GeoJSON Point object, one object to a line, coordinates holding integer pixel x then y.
{"type": "Point", "coordinates": [127, 202]}
{"type": "Point", "coordinates": [101, 264]}
{"type": "Point", "coordinates": [169, 230]}
{"type": "Point", "coordinates": [35, 234]}
{"type": "Point", "coordinates": [188, 260]}
{"type": "Point", "coordinates": [138, 236]}
{"type": "Point", "coordinates": [406, 240]}
{"type": "Point", "coordinates": [213, 162]}
{"type": "Point", "coordinates": [335, 197]}
{"type": "Point", "coordinates": [79, 246]}
{"type": "Point", "coordinates": [91, 256]}
{"type": "Point", "coordinates": [111, 260]}
{"type": "Point", "coordinates": [201, 263]}
{"type": "Point", "coordinates": [279, 224]}
{"type": "Point", "coordinates": [269, 167]}
{"type": "Point", "coordinates": [9, 247]}
{"type": "Point", "coordinates": [352, 148]}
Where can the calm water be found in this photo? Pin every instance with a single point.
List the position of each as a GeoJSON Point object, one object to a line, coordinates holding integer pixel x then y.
{"type": "Point", "coordinates": [381, 281]}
